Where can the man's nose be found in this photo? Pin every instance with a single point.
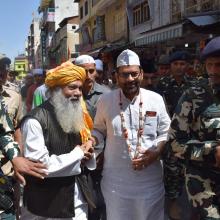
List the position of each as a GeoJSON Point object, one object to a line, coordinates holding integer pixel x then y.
{"type": "Point", "coordinates": [77, 93]}
{"type": "Point", "coordinates": [130, 78]}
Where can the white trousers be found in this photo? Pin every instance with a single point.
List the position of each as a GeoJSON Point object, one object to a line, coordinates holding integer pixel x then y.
{"type": "Point", "coordinates": [81, 213]}
{"type": "Point", "coordinates": [118, 208]}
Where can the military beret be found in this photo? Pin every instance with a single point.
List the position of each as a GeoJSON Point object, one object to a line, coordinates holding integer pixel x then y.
{"type": "Point", "coordinates": [179, 55]}
{"type": "Point", "coordinates": [212, 49]}
{"type": "Point", "coordinates": [164, 60]}
{"type": "Point", "coordinates": [4, 62]}
{"type": "Point", "coordinates": [148, 66]}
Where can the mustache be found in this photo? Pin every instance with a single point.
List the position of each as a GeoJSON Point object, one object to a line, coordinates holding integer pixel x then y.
{"type": "Point", "coordinates": [74, 99]}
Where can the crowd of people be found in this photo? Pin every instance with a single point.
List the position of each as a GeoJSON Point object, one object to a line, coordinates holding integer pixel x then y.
{"type": "Point", "coordinates": [79, 143]}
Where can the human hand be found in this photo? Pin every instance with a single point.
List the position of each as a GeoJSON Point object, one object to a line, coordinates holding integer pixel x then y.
{"type": "Point", "coordinates": [88, 150]}
{"type": "Point", "coordinates": [147, 158]}
{"type": "Point", "coordinates": [217, 156]}
{"type": "Point", "coordinates": [22, 166]}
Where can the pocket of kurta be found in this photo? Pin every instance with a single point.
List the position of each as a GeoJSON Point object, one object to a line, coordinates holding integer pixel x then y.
{"type": "Point", "coordinates": [150, 126]}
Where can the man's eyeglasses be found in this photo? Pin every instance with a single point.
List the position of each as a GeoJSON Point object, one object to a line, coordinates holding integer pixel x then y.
{"type": "Point", "coordinates": [132, 74]}
{"type": "Point", "coordinates": [90, 71]}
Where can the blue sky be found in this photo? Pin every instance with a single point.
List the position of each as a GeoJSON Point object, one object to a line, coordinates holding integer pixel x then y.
{"type": "Point", "coordinates": [15, 20]}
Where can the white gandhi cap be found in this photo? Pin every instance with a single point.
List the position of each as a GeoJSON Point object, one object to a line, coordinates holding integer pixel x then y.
{"type": "Point", "coordinates": [84, 59]}
{"type": "Point", "coordinates": [127, 58]}
{"type": "Point", "coordinates": [37, 72]}
{"type": "Point", "coordinates": [99, 65]}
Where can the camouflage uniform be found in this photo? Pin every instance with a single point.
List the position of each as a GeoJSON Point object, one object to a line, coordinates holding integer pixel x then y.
{"type": "Point", "coordinates": [9, 148]}
{"type": "Point", "coordinates": [194, 134]}
{"type": "Point", "coordinates": [173, 168]}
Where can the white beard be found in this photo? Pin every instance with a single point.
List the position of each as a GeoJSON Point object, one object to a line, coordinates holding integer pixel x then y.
{"type": "Point", "coordinates": [69, 113]}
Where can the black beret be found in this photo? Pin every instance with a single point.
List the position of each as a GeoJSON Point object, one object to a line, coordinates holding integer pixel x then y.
{"type": "Point", "coordinates": [179, 55]}
{"type": "Point", "coordinates": [164, 60]}
{"type": "Point", "coordinates": [212, 49]}
{"type": "Point", "coordinates": [148, 66]}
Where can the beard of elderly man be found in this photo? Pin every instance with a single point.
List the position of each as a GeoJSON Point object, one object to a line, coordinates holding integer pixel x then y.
{"type": "Point", "coordinates": [54, 133]}
{"type": "Point", "coordinates": [68, 111]}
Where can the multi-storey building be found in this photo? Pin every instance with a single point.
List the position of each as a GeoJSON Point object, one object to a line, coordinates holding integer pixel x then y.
{"type": "Point", "coordinates": [162, 25]}
{"type": "Point", "coordinates": [65, 41]}
{"type": "Point", "coordinates": [33, 45]}
{"type": "Point", "coordinates": [21, 65]}
{"type": "Point", "coordinates": [54, 11]}
{"type": "Point", "coordinates": [103, 24]}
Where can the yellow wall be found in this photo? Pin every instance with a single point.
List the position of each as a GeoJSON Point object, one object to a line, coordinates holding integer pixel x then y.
{"type": "Point", "coordinates": [21, 66]}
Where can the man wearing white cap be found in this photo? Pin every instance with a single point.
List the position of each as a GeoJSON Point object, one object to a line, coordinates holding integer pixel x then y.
{"type": "Point", "coordinates": [91, 89]}
{"type": "Point", "coordinates": [134, 123]}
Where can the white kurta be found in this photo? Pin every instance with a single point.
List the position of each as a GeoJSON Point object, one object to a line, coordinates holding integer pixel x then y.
{"type": "Point", "coordinates": [131, 194]}
{"type": "Point", "coordinates": [57, 166]}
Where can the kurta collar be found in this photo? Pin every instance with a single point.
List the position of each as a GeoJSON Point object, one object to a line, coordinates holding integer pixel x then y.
{"type": "Point", "coordinates": [132, 102]}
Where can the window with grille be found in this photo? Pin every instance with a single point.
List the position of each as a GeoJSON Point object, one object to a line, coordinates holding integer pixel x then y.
{"type": "Point", "coordinates": [86, 8]}
{"type": "Point", "coordinates": [141, 13]}
{"type": "Point", "coordinates": [176, 10]}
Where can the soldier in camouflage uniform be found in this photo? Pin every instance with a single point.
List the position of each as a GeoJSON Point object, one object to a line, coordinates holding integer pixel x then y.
{"type": "Point", "coordinates": [11, 151]}
{"type": "Point", "coordinates": [171, 88]}
{"type": "Point", "coordinates": [195, 137]}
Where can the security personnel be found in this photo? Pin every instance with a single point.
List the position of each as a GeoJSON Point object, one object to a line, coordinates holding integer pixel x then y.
{"type": "Point", "coordinates": [171, 87]}
{"type": "Point", "coordinates": [163, 65]}
{"type": "Point", "coordinates": [11, 151]}
{"type": "Point", "coordinates": [195, 135]}
{"type": "Point", "coordinates": [13, 104]}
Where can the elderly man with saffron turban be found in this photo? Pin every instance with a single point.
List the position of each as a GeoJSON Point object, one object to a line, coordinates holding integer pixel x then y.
{"type": "Point", "coordinates": [54, 133]}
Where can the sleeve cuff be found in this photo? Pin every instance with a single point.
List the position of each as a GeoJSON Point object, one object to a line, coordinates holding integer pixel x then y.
{"type": "Point", "coordinates": [77, 151]}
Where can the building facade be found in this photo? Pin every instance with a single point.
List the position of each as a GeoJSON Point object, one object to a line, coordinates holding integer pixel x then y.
{"type": "Point", "coordinates": [53, 13]}
{"type": "Point", "coordinates": [21, 66]}
{"type": "Point", "coordinates": [102, 24]}
{"type": "Point", "coordinates": [65, 41]}
{"type": "Point", "coordinates": [33, 45]}
{"type": "Point", "coordinates": [173, 24]}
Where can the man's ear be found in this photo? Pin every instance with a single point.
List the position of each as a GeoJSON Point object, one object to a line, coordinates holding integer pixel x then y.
{"type": "Point", "coordinates": [141, 74]}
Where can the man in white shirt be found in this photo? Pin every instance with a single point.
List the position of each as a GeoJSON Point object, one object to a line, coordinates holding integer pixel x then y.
{"type": "Point", "coordinates": [53, 133]}
{"type": "Point", "coordinates": [135, 123]}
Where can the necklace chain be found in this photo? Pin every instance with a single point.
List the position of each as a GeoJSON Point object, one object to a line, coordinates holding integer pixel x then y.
{"type": "Point", "coordinates": [140, 129]}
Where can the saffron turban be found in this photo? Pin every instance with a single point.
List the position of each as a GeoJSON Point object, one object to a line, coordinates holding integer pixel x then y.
{"type": "Point", "coordinates": [64, 74]}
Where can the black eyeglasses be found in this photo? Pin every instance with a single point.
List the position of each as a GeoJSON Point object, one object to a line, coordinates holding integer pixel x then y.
{"type": "Point", "coordinates": [90, 71]}
{"type": "Point", "coordinates": [132, 74]}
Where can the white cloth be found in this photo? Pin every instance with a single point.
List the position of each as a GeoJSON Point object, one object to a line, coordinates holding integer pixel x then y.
{"type": "Point", "coordinates": [118, 175]}
{"type": "Point", "coordinates": [133, 209]}
{"type": "Point", "coordinates": [37, 71]}
{"type": "Point", "coordinates": [57, 165]}
{"type": "Point", "coordinates": [127, 58]}
{"type": "Point", "coordinates": [84, 59]}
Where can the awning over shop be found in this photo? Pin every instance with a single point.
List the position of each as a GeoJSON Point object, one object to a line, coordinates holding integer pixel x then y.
{"type": "Point", "coordinates": [204, 20]}
{"type": "Point", "coordinates": [95, 52]}
{"type": "Point", "coordinates": [120, 45]}
{"type": "Point", "coordinates": [160, 35]}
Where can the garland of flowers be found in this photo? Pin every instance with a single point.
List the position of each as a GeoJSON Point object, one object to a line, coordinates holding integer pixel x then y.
{"type": "Point", "coordinates": [140, 129]}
